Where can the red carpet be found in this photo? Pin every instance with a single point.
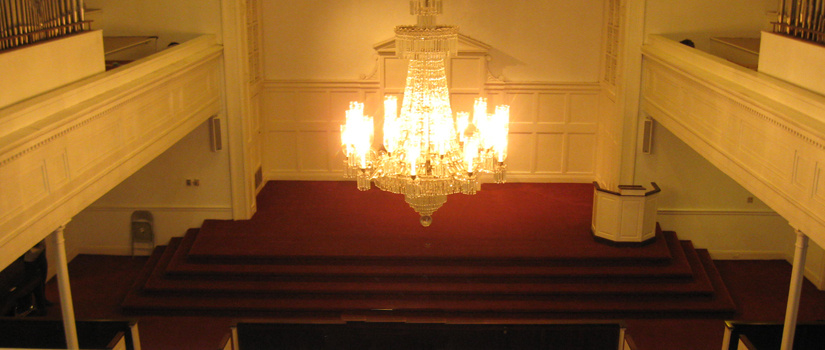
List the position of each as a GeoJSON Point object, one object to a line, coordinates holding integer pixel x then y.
{"type": "Point", "coordinates": [514, 251]}
{"type": "Point", "coordinates": [334, 219]}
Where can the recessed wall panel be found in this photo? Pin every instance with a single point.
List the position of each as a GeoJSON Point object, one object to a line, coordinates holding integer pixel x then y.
{"type": "Point", "coordinates": [465, 73]}
{"type": "Point", "coordinates": [311, 106]}
{"type": "Point", "coordinates": [280, 151]}
{"type": "Point", "coordinates": [584, 108]}
{"type": "Point", "coordinates": [520, 153]}
{"type": "Point", "coordinates": [549, 150]}
{"type": "Point", "coordinates": [552, 108]}
{"type": "Point", "coordinates": [395, 74]}
{"type": "Point", "coordinates": [581, 153]}
{"type": "Point", "coordinates": [339, 104]}
{"type": "Point", "coordinates": [522, 107]}
{"type": "Point", "coordinates": [462, 102]}
{"type": "Point", "coordinates": [312, 151]}
{"type": "Point", "coordinates": [277, 105]}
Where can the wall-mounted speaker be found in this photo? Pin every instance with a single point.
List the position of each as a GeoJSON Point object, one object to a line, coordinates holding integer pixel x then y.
{"type": "Point", "coordinates": [647, 137]}
{"type": "Point", "coordinates": [215, 133]}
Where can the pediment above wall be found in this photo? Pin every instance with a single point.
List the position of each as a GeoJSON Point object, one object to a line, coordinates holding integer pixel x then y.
{"type": "Point", "coordinates": [467, 46]}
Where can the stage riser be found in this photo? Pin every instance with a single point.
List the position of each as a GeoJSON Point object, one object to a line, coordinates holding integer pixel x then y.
{"type": "Point", "coordinates": [414, 276]}
{"type": "Point", "coordinates": [676, 266]}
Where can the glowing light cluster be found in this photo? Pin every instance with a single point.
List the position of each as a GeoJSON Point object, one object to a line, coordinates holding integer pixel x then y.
{"type": "Point", "coordinates": [427, 154]}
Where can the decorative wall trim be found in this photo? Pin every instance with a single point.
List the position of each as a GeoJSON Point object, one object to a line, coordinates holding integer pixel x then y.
{"type": "Point", "coordinates": [130, 208]}
{"type": "Point", "coordinates": [544, 86]}
{"type": "Point", "coordinates": [746, 255]}
{"type": "Point", "coordinates": [716, 212]}
{"type": "Point", "coordinates": [320, 84]}
{"type": "Point", "coordinates": [339, 176]}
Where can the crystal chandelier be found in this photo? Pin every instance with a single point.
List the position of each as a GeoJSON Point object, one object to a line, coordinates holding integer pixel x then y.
{"type": "Point", "coordinates": [427, 153]}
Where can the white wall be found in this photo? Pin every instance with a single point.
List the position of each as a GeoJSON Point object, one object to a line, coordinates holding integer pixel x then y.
{"type": "Point", "coordinates": [160, 187]}
{"type": "Point", "coordinates": [554, 40]}
{"type": "Point", "coordinates": [706, 206]}
{"type": "Point", "coordinates": [178, 20]}
{"type": "Point", "coordinates": [699, 20]}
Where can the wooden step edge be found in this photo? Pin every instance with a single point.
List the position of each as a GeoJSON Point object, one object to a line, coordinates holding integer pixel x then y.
{"type": "Point", "coordinates": [720, 289]}
{"type": "Point", "coordinates": [698, 285]}
{"type": "Point", "coordinates": [700, 275]}
{"type": "Point", "coordinates": [183, 267]}
{"type": "Point", "coordinates": [145, 272]}
{"type": "Point", "coordinates": [180, 257]}
{"type": "Point", "coordinates": [158, 273]}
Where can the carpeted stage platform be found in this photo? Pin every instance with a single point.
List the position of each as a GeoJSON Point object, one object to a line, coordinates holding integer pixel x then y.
{"type": "Point", "coordinates": [334, 219]}
{"type": "Point", "coordinates": [511, 252]}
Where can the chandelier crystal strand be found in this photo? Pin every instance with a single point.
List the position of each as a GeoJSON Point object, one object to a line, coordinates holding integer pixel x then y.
{"type": "Point", "coordinates": [427, 154]}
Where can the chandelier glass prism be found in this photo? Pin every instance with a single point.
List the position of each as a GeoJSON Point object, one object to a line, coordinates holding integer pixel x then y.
{"type": "Point", "coordinates": [427, 153]}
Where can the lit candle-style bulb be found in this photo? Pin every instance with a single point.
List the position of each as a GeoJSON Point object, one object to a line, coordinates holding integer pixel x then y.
{"type": "Point", "coordinates": [391, 127]}
{"type": "Point", "coordinates": [470, 153]}
{"type": "Point", "coordinates": [479, 109]}
{"type": "Point", "coordinates": [413, 156]}
{"type": "Point", "coordinates": [461, 123]}
{"type": "Point", "coordinates": [502, 128]}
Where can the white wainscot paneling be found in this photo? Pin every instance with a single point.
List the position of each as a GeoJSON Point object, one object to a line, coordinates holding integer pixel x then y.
{"type": "Point", "coordinates": [553, 130]}
{"type": "Point", "coordinates": [302, 122]}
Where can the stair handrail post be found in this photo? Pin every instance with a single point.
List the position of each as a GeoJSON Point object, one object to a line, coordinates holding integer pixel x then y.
{"type": "Point", "coordinates": [795, 292]}
{"type": "Point", "coordinates": [66, 304]}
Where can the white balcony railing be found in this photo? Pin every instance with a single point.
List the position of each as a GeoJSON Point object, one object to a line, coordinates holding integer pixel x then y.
{"type": "Point", "coordinates": [764, 133]}
{"type": "Point", "coordinates": [62, 150]}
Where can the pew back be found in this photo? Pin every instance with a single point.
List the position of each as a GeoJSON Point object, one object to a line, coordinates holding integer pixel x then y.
{"type": "Point", "coordinates": [29, 333]}
{"type": "Point", "coordinates": [570, 335]}
{"type": "Point", "coordinates": [768, 336]}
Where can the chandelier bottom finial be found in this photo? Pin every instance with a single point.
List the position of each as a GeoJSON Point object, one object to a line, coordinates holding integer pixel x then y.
{"type": "Point", "coordinates": [425, 206]}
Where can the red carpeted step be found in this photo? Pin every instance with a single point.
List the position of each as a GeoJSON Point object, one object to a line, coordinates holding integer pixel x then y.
{"type": "Point", "coordinates": [457, 306]}
{"type": "Point", "coordinates": [677, 266]}
{"type": "Point", "coordinates": [508, 264]}
{"type": "Point", "coordinates": [313, 219]}
{"type": "Point", "coordinates": [502, 285]}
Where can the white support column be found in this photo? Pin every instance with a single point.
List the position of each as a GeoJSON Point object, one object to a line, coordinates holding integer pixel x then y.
{"type": "Point", "coordinates": [66, 304]}
{"type": "Point", "coordinates": [797, 278]}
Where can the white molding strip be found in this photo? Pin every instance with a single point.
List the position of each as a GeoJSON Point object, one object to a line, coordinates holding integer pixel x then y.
{"type": "Point", "coordinates": [716, 212]}
{"type": "Point", "coordinates": [320, 84]}
{"type": "Point", "coordinates": [512, 178]}
{"type": "Point", "coordinates": [593, 87]}
{"type": "Point", "coordinates": [128, 207]}
{"type": "Point", "coordinates": [746, 255]}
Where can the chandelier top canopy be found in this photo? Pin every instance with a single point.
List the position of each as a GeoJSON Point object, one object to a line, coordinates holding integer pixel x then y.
{"type": "Point", "coordinates": [427, 153]}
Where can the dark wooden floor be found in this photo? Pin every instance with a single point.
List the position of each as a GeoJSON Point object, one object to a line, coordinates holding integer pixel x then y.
{"type": "Point", "coordinates": [759, 288]}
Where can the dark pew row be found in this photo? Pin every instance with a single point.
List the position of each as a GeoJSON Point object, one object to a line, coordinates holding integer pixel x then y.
{"type": "Point", "coordinates": [768, 336]}
{"type": "Point", "coordinates": [37, 333]}
{"type": "Point", "coordinates": [569, 335]}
